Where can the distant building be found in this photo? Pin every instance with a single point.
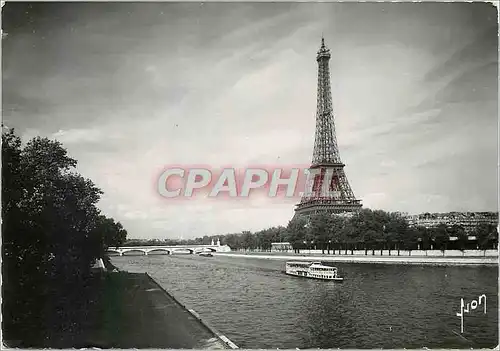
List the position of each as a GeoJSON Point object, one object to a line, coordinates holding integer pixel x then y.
{"type": "Point", "coordinates": [468, 220]}
{"type": "Point", "coordinates": [279, 247]}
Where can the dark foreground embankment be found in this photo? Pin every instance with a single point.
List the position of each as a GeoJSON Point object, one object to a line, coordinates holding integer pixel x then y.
{"type": "Point", "coordinates": [126, 310]}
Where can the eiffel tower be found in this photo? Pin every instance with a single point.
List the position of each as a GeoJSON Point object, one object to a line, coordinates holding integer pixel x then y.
{"type": "Point", "coordinates": [329, 189]}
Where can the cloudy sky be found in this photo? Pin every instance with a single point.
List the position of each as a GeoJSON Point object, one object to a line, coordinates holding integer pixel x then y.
{"type": "Point", "coordinates": [130, 88]}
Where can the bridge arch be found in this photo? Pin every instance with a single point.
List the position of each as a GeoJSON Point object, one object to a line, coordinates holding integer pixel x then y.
{"type": "Point", "coordinates": [114, 252]}
{"type": "Point", "coordinates": [204, 249]}
{"type": "Point", "coordinates": [168, 251]}
{"type": "Point", "coordinates": [183, 249]}
{"type": "Point", "coordinates": [143, 252]}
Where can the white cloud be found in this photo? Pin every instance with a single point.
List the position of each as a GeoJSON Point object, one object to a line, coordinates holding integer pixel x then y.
{"type": "Point", "coordinates": [78, 135]}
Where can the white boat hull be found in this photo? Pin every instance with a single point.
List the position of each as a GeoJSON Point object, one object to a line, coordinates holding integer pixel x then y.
{"type": "Point", "coordinates": [306, 275]}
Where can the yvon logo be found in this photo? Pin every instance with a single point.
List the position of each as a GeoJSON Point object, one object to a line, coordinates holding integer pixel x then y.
{"type": "Point", "coordinates": [469, 307]}
{"type": "Point", "coordinates": [292, 182]}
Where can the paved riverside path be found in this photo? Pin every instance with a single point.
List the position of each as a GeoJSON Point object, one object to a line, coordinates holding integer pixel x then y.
{"type": "Point", "coordinates": [130, 310]}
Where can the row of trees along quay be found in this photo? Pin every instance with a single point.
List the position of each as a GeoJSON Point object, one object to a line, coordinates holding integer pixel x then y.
{"type": "Point", "coordinates": [52, 233]}
{"type": "Point", "coordinates": [365, 230]}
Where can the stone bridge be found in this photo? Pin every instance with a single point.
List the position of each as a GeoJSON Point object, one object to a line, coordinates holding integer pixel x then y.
{"type": "Point", "coordinates": [170, 250]}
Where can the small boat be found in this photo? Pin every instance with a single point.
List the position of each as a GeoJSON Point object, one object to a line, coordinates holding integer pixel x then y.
{"type": "Point", "coordinates": [314, 270]}
{"type": "Point", "coordinates": [205, 254]}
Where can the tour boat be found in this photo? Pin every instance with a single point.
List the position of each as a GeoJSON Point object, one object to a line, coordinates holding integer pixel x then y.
{"type": "Point", "coordinates": [314, 270]}
{"type": "Point", "coordinates": [205, 254]}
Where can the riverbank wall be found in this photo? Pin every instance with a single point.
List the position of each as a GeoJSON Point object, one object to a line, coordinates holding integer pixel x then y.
{"type": "Point", "coordinates": [228, 344]}
{"type": "Point", "coordinates": [413, 253]}
{"type": "Point", "coordinates": [133, 311]}
{"type": "Point", "coordinates": [415, 260]}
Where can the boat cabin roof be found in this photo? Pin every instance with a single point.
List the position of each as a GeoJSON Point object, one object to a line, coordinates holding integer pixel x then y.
{"type": "Point", "coordinates": [300, 262]}
{"type": "Point", "coordinates": [306, 263]}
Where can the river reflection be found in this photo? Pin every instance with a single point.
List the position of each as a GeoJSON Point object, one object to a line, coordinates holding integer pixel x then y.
{"type": "Point", "coordinates": [377, 306]}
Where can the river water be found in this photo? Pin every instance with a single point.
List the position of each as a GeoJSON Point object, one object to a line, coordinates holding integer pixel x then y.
{"type": "Point", "coordinates": [377, 306]}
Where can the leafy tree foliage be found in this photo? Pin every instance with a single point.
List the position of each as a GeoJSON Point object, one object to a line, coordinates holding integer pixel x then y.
{"type": "Point", "coordinates": [318, 230]}
{"type": "Point", "coordinates": [112, 233]}
{"type": "Point", "coordinates": [440, 236]}
{"type": "Point", "coordinates": [484, 234]}
{"type": "Point", "coordinates": [296, 231]}
{"type": "Point", "coordinates": [52, 232]}
{"type": "Point", "coordinates": [459, 232]}
{"type": "Point", "coordinates": [368, 230]}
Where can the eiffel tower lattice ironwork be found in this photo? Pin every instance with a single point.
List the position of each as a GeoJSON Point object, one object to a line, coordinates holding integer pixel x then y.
{"type": "Point", "coordinates": [330, 190]}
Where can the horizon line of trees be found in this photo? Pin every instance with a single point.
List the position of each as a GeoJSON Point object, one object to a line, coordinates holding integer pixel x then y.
{"type": "Point", "coordinates": [364, 230]}
{"type": "Point", "coordinates": [52, 233]}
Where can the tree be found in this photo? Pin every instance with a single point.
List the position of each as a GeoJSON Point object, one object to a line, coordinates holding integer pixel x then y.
{"type": "Point", "coordinates": [371, 237]}
{"type": "Point", "coordinates": [282, 234]}
{"type": "Point", "coordinates": [440, 236]}
{"type": "Point", "coordinates": [485, 233]}
{"type": "Point", "coordinates": [267, 236]}
{"type": "Point", "coordinates": [50, 237]}
{"type": "Point", "coordinates": [248, 240]}
{"type": "Point", "coordinates": [17, 303]}
{"type": "Point", "coordinates": [336, 235]}
{"type": "Point", "coordinates": [205, 240]}
{"type": "Point", "coordinates": [371, 230]}
{"type": "Point", "coordinates": [424, 237]}
{"type": "Point", "coordinates": [396, 229]}
{"type": "Point", "coordinates": [233, 241]}
{"type": "Point", "coordinates": [113, 234]}
{"type": "Point", "coordinates": [296, 232]}
{"type": "Point", "coordinates": [411, 239]}
{"type": "Point", "coordinates": [462, 237]}
{"type": "Point", "coordinates": [319, 228]}
{"type": "Point", "coordinates": [349, 234]}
